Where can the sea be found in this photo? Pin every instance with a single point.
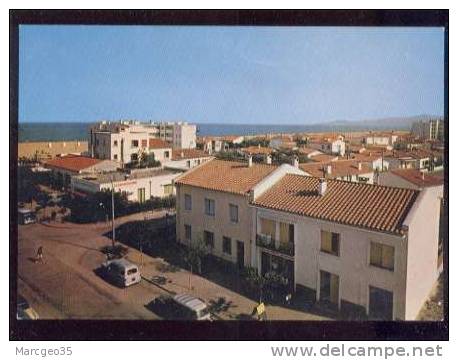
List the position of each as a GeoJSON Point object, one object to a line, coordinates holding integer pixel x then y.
{"type": "Point", "coordinates": [80, 131]}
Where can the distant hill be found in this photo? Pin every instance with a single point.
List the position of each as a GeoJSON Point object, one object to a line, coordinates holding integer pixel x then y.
{"type": "Point", "coordinates": [391, 123]}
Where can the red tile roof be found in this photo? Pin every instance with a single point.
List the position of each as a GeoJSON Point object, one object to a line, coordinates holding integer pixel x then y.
{"type": "Point", "coordinates": [257, 150]}
{"type": "Point", "coordinates": [182, 154]}
{"type": "Point", "coordinates": [228, 176]}
{"type": "Point", "coordinates": [339, 168]}
{"type": "Point", "coordinates": [158, 144]}
{"type": "Point", "coordinates": [418, 178]}
{"type": "Point", "coordinates": [324, 158]}
{"type": "Point", "coordinates": [307, 151]}
{"type": "Point", "coordinates": [72, 163]}
{"type": "Point", "coordinates": [374, 207]}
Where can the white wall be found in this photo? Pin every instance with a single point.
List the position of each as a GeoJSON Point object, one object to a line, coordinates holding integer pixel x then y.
{"type": "Point", "coordinates": [352, 266]}
{"type": "Point", "coordinates": [220, 224]}
{"type": "Point", "coordinates": [423, 234]}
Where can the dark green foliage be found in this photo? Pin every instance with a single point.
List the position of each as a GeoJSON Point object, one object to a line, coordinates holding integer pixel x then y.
{"type": "Point", "coordinates": [27, 185]}
{"type": "Point", "coordinates": [97, 207]}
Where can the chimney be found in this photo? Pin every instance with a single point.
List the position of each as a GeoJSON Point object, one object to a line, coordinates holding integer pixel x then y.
{"type": "Point", "coordinates": [423, 176]}
{"type": "Point", "coordinates": [295, 161]}
{"type": "Point", "coordinates": [182, 154]}
{"type": "Point", "coordinates": [250, 161]}
{"type": "Point", "coordinates": [268, 159]}
{"type": "Point", "coordinates": [329, 169]}
{"type": "Point", "coordinates": [322, 187]}
{"type": "Point", "coordinates": [359, 166]}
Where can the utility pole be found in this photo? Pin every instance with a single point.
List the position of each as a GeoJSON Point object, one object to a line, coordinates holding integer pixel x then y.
{"type": "Point", "coordinates": [112, 215]}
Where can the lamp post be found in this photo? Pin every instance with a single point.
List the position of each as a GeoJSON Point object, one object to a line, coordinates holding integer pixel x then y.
{"type": "Point", "coordinates": [112, 215]}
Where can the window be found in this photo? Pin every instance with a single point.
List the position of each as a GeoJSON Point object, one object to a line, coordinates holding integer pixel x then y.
{"type": "Point", "coordinates": [133, 157]}
{"type": "Point", "coordinates": [382, 256]}
{"type": "Point", "coordinates": [187, 202]}
{"type": "Point", "coordinates": [330, 242]}
{"type": "Point", "coordinates": [188, 163]}
{"type": "Point", "coordinates": [227, 245]}
{"type": "Point", "coordinates": [141, 195]}
{"type": "Point", "coordinates": [209, 239]}
{"type": "Point", "coordinates": [144, 143]}
{"type": "Point", "coordinates": [134, 143]}
{"type": "Point", "coordinates": [168, 189]}
{"type": "Point", "coordinates": [166, 154]}
{"type": "Point", "coordinates": [187, 232]}
{"type": "Point", "coordinates": [286, 233]}
{"type": "Point", "coordinates": [210, 207]}
{"type": "Point", "coordinates": [234, 213]}
{"type": "Point", "coordinates": [115, 157]}
{"type": "Point", "coordinates": [115, 143]}
{"type": "Point", "coordinates": [268, 227]}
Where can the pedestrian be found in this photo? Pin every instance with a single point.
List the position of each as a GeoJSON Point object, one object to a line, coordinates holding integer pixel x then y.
{"type": "Point", "coordinates": [40, 254]}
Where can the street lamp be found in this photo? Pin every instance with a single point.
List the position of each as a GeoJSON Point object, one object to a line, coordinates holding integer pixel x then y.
{"type": "Point", "coordinates": [112, 215]}
{"type": "Point", "coordinates": [105, 211]}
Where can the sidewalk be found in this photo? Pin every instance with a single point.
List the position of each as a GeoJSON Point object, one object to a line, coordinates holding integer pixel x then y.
{"type": "Point", "coordinates": [226, 304]}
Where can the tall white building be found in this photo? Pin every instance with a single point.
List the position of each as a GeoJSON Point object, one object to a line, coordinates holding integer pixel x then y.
{"type": "Point", "coordinates": [180, 134]}
{"type": "Point", "coordinates": [125, 141]}
{"type": "Point", "coordinates": [429, 130]}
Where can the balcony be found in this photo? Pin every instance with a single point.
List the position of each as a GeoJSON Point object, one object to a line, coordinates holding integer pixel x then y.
{"type": "Point", "coordinates": [267, 242]}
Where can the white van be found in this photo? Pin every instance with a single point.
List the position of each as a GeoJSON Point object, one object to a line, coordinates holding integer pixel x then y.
{"type": "Point", "coordinates": [190, 308]}
{"type": "Point", "coordinates": [26, 216]}
{"type": "Point", "coordinates": [122, 272]}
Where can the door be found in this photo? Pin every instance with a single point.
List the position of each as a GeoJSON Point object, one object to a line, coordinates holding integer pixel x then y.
{"type": "Point", "coordinates": [141, 195]}
{"type": "Point", "coordinates": [380, 304]}
{"type": "Point", "coordinates": [240, 254]}
{"type": "Point", "coordinates": [329, 287]}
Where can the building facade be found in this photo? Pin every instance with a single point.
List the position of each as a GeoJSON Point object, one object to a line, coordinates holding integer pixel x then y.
{"type": "Point", "coordinates": [429, 130]}
{"type": "Point", "coordinates": [344, 244]}
{"type": "Point", "coordinates": [125, 141]}
{"type": "Point", "coordinates": [139, 185]}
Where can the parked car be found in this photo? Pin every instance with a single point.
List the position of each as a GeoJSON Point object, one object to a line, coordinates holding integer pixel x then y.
{"type": "Point", "coordinates": [181, 307]}
{"type": "Point", "coordinates": [121, 272]}
{"type": "Point", "coordinates": [24, 310]}
{"type": "Point", "coordinates": [26, 216]}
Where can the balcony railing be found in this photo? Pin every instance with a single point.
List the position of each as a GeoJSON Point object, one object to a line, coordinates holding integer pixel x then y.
{"type": "Point", "coordinates": [268, 242]}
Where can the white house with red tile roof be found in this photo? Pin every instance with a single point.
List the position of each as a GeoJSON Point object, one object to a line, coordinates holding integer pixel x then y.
{"type": "Point", "coordinates": [212, 205]}
{"type": "Point", "coordinates": [67, 166]}
{"type": "Point", "coordinates": [185, 159]}
{"type": "Point", "coordinates": [356, 247]}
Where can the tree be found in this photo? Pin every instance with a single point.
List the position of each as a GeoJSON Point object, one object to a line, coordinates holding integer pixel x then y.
{"type": "Point", "coordinates": [195, 254]}
{"type": "Point", "coordinates": [255, 281]}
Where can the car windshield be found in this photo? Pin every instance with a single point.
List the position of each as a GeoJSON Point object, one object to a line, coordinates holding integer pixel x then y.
{"type": "Point", "coordinates": [132, 271]}
{"type": "Point", "coordinates": [203, 312]}
{"type": "Point", "coordinates": [29, 217]}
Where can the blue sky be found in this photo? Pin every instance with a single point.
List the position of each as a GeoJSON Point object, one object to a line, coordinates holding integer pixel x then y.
{"type": "Point", "coordinates": [251, 75]}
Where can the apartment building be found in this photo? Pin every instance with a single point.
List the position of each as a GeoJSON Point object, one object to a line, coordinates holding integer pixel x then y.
{"type": "Point", "coordinates": [212, 205]}
{"type": "Point", "coordinates": [432, 129]}
{"type": "Point", "coordinates": [347, 246]}
{"type": "Point", "coordinates": [180, 134]}
{"type": "Point", "coordinates": [366, 248]}
{"type": "Point", "coordinates": [125, 141]}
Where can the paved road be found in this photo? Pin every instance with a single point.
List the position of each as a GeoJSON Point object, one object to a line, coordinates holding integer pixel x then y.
{"type": "Point", "coordinates": [65, 285]}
